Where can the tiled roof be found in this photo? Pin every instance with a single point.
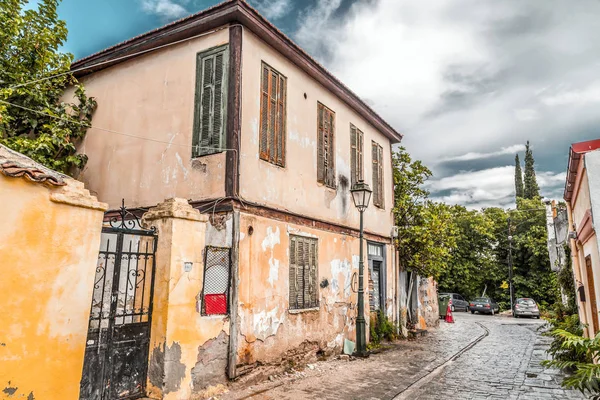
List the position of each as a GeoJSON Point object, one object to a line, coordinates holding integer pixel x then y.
{"type": "Point", "coordinates": [14, 164]}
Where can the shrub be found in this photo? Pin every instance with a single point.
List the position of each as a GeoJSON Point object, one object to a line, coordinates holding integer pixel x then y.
{"type": "Point", "coordinates": [381, 328]}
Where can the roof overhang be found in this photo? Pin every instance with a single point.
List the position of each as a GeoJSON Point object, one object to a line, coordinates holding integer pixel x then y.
{"type": "Point", "coordinates": [576, 153]}
{"type": "Point", "coordinates": [226, 13]}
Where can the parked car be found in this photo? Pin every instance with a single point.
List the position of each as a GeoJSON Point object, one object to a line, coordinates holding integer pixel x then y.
{"type": "Point", "coordinates": [485, 305]}
{"type": "Point", "coordinates": [526, 307]}
{"type": "Point", "coordinates": [458, 302]}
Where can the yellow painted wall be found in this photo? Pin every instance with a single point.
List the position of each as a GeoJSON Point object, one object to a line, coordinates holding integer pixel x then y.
{"type": "Point", "coordinates": [267, 327]}
{"type": "Point", "coordinates": [178, 330]}
{"type": "Point", "coordinates": [48, 255]}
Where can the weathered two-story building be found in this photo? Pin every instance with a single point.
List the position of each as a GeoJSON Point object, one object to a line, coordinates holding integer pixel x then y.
{"type": "Point", "coordinates": [222, 109]}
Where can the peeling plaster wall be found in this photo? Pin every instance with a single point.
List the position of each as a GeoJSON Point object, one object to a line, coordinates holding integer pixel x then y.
{"type": "Point", "coordinates": [428, 309]}
{"type": "Point", "coordinates": [188, 351]}
{"type": "Point", "coordinates": [48, 256]}
{"type": "Point", "coordinates": [152, 97]}
{"type": "Point", "coordinates": [295, 187]}
{"type": "Point", "coordinates": [268, 329]}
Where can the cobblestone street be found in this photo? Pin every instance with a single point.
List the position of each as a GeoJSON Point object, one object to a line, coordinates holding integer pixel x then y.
{"type": "Point", "coordinates": [478, 357]}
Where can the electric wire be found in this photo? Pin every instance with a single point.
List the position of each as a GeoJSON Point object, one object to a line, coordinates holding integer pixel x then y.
{"type": "Point", "coordinates": [132, 55]}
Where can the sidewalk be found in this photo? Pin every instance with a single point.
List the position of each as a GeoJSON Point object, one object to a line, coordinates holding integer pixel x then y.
{"type": "Point", "coordinates": [381, 376]}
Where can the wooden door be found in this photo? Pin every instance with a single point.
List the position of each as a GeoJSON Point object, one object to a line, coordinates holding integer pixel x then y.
{"type": "Point", "coordinates": [592, 290]}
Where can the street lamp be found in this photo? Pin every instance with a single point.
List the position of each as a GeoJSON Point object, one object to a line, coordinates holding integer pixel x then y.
{"type": "Point", "coordinates": [361, 194]}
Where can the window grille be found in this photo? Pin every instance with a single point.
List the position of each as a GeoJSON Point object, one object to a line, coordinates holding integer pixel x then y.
{"type": "Point", "coordinates": [326, 146]}
{"type": "Point", "coordinates": [377, 156]}
{"type": "Point", "coordinates": [215, 291]}
{"type": "Point", "coordinates": [304, 288]}
{"type": "Point", "coordinates": [272, 116]}
{"type": "Point", "coordinates": [356, 154]}
{"type": "Point", "coordinates": [210, 101]}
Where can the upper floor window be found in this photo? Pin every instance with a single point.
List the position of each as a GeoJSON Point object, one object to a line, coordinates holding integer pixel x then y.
{"type": "Point", "coordinates": [326, 146]}
{"type": "Point", "coordinates": [304, 288]}
{"type": "Point", "coordinates": [272, 116]}
{"type": "Point", "coordinates": [377, 155]}
{"type": "Point", "coordinates": [210, 101]}
{"type": "Point", "coordinates": [356, 154]}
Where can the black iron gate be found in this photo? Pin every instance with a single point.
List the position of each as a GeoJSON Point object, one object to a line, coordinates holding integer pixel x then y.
{"type": "Point", "coordinates": [116, 354]}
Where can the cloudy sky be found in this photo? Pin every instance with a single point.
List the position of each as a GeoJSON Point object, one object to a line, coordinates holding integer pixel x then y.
{"type": "Point", "coordinates": [467, 82]}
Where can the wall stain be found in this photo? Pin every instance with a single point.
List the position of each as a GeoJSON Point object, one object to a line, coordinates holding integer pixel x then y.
{"type": "Point", "coordinates": [156, 371]}
{"type": "Point", "coordinates": [174, 368]}
{"type": "Point", "coordinates": [9, 390]}
{"type": "Point", "coordinates": [344, 184]}
{"type": "Point", "coordinates": [30, 396]}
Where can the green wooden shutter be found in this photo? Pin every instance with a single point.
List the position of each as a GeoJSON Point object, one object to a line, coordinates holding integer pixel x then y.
{"type": "Point", "coordinates": [293, 284]}
{"type": "Point", "coordinates": [211, 101]}
{"type": "Point", "coordinates": [360, 156]}
{"type": "Point", "coordinates": [374, 157]}
{"type": "Point", "coordinates": [353, 155]}
{"type": "Point", "coordinates": [281, 122]}
{"type": "Point", "coordinates": [380, 175]}
{"type": "Point", "coordinates": [330, 149]}
{"type": "Point", "coordinates": [313, 286]}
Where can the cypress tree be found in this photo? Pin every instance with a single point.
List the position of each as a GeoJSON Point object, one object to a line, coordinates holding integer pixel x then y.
{"type": "Point", "coordinates": [531, 189]}
{"type": "Point", "coordinates": [518, 178]}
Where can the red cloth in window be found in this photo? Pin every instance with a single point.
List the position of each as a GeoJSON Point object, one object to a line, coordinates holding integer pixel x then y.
{"type": "Point", "coordinates": [215, 304]}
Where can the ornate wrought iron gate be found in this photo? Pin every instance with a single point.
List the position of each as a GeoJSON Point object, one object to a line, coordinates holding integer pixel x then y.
{"type": "Point", "coordinates": [116, 355]}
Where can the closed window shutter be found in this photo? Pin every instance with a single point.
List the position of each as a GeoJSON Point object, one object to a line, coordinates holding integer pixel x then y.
{"type": "Point", "coordinates": [313, 285]}
{"type": "Point", "coordinates": [356, 157]}
{"type": "Point", "coordinates": [325, 151]}
{"type": "Point", "coordinates": [211, 101]}
{"type": "Point", "coordinates": [353, 155]}
{"type": "Point", "coordinates": [304, 291]}
{"type": "Point", "coordinates": [375, 158]}
{"type": "Point", "coordinates": [281, 121]}
{"type": "Point", "coordinates": [272, 116]}
{"type": "Point", "coordinates": [360, 156]}
{"type": "Point", "coordinates": [264, 116]}
{"type": "Point", "coordinates": [293, 274]}
{"type": "Point", "coordinates": [380, 174]}
{"type": "Point", "coordinates": [320, 145]}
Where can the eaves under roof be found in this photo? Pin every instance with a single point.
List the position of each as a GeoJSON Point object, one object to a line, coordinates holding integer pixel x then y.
{"type": "Point", "coordinates": [576, 152]}
{"type": "Point", "coordinates": [232, 12]}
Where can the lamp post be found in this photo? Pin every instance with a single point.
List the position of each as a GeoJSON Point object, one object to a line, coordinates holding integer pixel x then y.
{"type": "Point", "coordinates": [361, 194]}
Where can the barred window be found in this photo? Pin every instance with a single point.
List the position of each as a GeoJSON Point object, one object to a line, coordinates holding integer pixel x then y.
{"type": "Point", "coordinates": [356, 154]}
{"type": "Point", "coordinates": [210, 106]}
{"type": "Point", "coordinates": [304, 288]}
{"type": "Point", "coordinates": [377, 155]}
{"type": "Point", "coordinates": [326, 146]}
{"type": "Point", "coordinates": [215, 291]}
{"type": "Point", "coordinates": [272, 116]}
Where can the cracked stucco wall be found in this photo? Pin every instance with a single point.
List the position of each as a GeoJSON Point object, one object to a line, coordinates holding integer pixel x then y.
{"type": "Point", "coordinates": [268, 329]}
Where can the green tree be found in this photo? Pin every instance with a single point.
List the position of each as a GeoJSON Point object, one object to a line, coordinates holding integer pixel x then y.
{"type": "Point", "coordinates": [425, 229]}
{"type": "Point", "coordinates": [531, 188]}
{"type": "Point", "coordinates": [532, 274]}
{"type": "Point", "coordinates": [518, 178]}
{"type": "Point", "coordinates": [33, 119]}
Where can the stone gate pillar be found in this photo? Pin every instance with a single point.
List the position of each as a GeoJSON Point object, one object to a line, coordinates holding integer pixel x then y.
{"type": "Point", "coordinates": [176, 330]}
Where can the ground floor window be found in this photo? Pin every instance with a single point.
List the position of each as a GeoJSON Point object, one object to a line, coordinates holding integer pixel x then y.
{"type": "Point", "coordinates": [215, 290]}
{"type": "Point", "coordinates": [304, 288]}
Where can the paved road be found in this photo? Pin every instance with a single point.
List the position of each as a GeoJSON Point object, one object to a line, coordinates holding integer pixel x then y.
{"type": "Point", "coordinates": [478, 357]}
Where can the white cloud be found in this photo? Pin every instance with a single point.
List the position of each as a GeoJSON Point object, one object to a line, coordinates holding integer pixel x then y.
{"type": "Point", "coordinates": [273, 9]}
{"type": "Point", "coordinates": [164, 8]}
{"type": "Point", "coordinates": [468, 77]}
{"type": "Point", "coordinates": [563, 96]}
{"type": "Point", "coordinates": [477, 156]}
{"type": "Point", "coordinates": [489, 187]}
